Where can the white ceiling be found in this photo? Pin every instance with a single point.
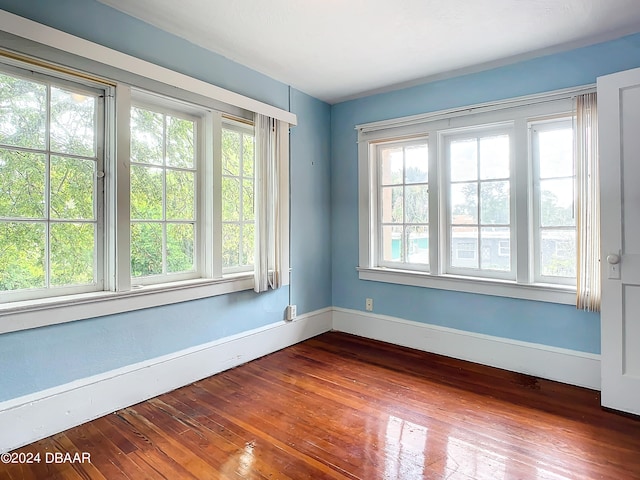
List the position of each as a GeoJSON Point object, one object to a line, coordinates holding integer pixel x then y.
{"type": "Point", "coordinates": [341, 49]}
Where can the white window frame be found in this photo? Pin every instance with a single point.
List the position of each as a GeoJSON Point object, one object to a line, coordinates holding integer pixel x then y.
{"type": "Point", "coordinates": [81, 86]}
{"type": "Point", "coordinates": [519, 112]}
{"type": "Point", "coordinates": [546, 125]}
{"type": "Point", "coordinates": [203, 182]}
{"type": "Point", "coordinates": [243, 129]}
{"type": "Point", "coordinates": [445, 138]}
{"type": "Point", "coordinates": [118, 294]}
{"type": "Point", "coordinates": [377, 199]}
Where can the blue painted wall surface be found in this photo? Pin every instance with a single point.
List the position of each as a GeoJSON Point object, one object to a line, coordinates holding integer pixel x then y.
{"type": "Point", "coordinates": [545, 323]}
{"type": "Point", "coordinates": [311, 203]}
{"type": "Point", "coordinates": [41, 358]}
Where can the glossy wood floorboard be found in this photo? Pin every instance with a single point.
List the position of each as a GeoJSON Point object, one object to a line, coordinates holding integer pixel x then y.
{"type": "Point", "coordinates": [343, 407]}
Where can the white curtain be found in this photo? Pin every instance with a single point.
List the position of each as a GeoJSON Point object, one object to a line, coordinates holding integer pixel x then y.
{"type": "Point", "coordinates": [588, 203]}
{"type": "Point", "coordinates": [268, 255]}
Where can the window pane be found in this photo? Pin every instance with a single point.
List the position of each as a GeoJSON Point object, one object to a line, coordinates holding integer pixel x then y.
{"type": "Point", "coordinates": [417, 204]}
{"type": "Point", "coordinates": [22, 184]}
{"type": "Point", "coordinates": [230, 199]}
{"type": "Point", "coordinates": [556, 153]}
{"type": "Point", "coordinates": [418, 244]}
{"type": "Point", "coordinates": [230, 152]}
{"type": "Point", "coordinates": [558, 253]}
{"type": "Point", "coordinates": [180, 247]}
{"type": "Point", "coordinates": [147, 130]}
{"type": "Point", "coordinates": [72, 188]}
{"type": "Point", "coordinates": [391, 204]}
{"type": "Point", "coordinates": [556, 202]}
{"type": "Point", "coordinates": [463, 160]}
{"type": "Point", "coordinates": [146, 249]}
{"type": "Point", "coordinates": [416, 164]}
{"type": "Point", "coordinates": [495, 251]}
{"type": "Point", "coordinates": [23, 112]}
{"type": "Point", "coordinates": [22, 255]}
{"type": "Point", "coordinates": [180, 195]}
{"type": "Point", "coordinates": [391, 165]}
{"type": "Point", "coordinates": [72, 254]}
{"type": "Point", "coordinates": [392, 244]}
{"type": "Point", "coordinates": [73, 117]}
{"type": "Point", "coordinates": [247, 200]}
{"type": "Point", "coordinates": [248, 244]}
{"type": "Point", "coordinates": [146, 193]}
{"type": "Point", "coordinates": [230, 245]}
{"type": "Point", "coordinates": [248, 155]}
{"type": "Point", "coordinates": [464, 247]}
{"type": "Point", "coordinates": [494, 203]}
{"type": "Point", "coordinates": [494, 157]}
{"type": "Point", "coordinates": [464, 203]}
{"type": "Point", "coordinates": [180, 146]}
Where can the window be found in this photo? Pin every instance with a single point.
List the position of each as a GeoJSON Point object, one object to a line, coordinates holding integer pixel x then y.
{"type": "Point", "coordinates": [119, 195]}
{"type": "Point", "coordinates": [403, 195]}
{"type": "Point", "coordinates": [51, 164]}
{"type": "Point", "coordinates": [479, 207]}
{"type": "Point", "coordinates": [163, 201]}
{"type": "Point", "coordinates": [555, 223]}
{"type": "Point", "coordinates": [238, 146]}
{"type": "Point", "coordinates": [486, 205]}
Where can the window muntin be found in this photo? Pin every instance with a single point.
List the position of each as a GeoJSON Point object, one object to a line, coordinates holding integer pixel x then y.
{"type": "Point", "coordinates": [511, 242]}
{"type": "Point", "coordinates": [51, 184]}
{"type": "Point", "coordinates": [479, 207]}
{"type": "Point", "coordinates": [163, 195]}
{"type": "Point", "coordinates": [403, 203]}
{"type": "Point", "coordinates": [552, 143]}
{"type": "Point", "coordinates": [238, 187]}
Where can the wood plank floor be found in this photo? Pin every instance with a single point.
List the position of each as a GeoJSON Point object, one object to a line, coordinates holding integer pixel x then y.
{"type": "Point", "coordinates": [343, 407]}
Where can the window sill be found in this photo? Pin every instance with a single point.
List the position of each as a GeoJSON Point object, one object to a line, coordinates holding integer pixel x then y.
{"type": "Point", "coordinates": [50, 311]}
{"type": "Point", "coordinates": [501, 288]}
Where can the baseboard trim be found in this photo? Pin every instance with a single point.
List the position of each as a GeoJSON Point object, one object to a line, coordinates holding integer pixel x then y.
{"type": "Point", "coordinates": [559, 364]}
{"type": "Point", "coordinates": [30, 418]}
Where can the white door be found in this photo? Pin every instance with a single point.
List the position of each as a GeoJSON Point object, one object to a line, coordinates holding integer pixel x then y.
{"type": "Point", "coordinates": [619, 140]}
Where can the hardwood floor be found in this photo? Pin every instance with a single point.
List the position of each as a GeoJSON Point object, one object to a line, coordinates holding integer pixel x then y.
{"type": "Point", "coordinates": [343, 407]}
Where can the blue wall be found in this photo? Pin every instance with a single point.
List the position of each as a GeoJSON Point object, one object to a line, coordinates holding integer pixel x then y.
{"type": "Point", "coordinates": [545, 323]}
{"type": "Point", "coordinates": [323, 204]}
{"type": "Point", "coordinates": [33, 360]}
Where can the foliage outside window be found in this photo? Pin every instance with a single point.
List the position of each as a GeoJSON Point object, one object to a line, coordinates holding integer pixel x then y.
{"type": "Point", "coordinates": [238, 222]}
{"type": "Point", "coordinates": [552, 148]}
{"type": "Point", "coordinates": [50, 204]}
{"type": "Point", "coordinates": [163, 193]}
{"type": "Point", "coordinates": [479, 207]}
{"type": "Point", "coordinates": [61, 220]}
{"type": "Point", "coordinates": [403, 203]}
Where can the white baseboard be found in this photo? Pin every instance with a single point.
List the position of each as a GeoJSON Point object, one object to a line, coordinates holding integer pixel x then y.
{"type": "Point", "coordinates": [559, 364]}
{"type": "Point", "coordinates": [26, 419]}
{"type": "Point", "coordinates": [32, 417]}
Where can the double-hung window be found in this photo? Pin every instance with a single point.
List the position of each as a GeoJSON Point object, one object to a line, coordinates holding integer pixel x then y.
{"type": "Point", "coordinates": [479, 207]}
{"type": "Point", "coordinates": [552, 144]}
{"type": "Point", "coordinates": [51, 185]}
{"type": "Point", "coordinates": [238, 185]}
{"type": "Point", "coordinates": [403, 203]}
{"type": "Point", "coordinates": [164, 167]}
{"type": "Point", "coordinates": [123, 195]}
{"type": "Point", "coordinates": [480, 199]}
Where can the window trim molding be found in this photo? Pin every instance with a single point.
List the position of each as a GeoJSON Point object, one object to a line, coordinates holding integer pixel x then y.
{"type": "Point", "coordinates": [62, 309]}
{"type": "Point", "coordinates": [484, 286]}
{"type": "Point", "coordinates": [432, 124]}
{"type": "Point", "coordinates": [30, 30]}
{"type": "Point", "coordinates": [124, 75]}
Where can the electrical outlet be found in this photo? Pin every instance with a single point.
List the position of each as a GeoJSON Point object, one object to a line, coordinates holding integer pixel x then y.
{"type": "Point", "coordinates": [368, 304]}
{"type": "Point", "coordinates": [292, 311]}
